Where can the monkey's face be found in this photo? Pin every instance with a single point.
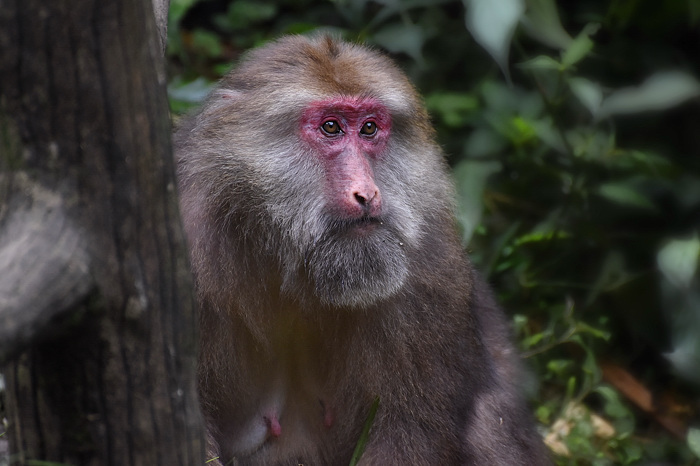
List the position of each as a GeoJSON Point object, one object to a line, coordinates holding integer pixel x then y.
{"type": "Point", "coordinates": [357, 257]}
{"type": "Point", "coordinates": [348, 136]}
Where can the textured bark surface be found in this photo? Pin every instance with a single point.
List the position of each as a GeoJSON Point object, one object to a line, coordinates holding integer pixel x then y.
{"type": "Point", "coordinates": [96, 307]}
{"type": "Point", "coordinates": [160, 9]}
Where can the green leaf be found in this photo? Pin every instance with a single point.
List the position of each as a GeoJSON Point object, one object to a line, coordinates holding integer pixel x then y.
{"type": "Point", "coordinates": [364, 436]}
{"type": "Point", "coordinates": [580, 47]}
{"type": "Point", "coordinates": [542, 23]}
{"type": "Point", "coordinates": [590, 94]}
{"type": "Point", "coordinates": [559, 366]}
{"type": "Point", "coordinates": [502, 101]}
{"type": "Point", "coordinates": [543, 414]}
{"type": "Point", "coordinates": [207, 43]}
{"type": "Point", "coordinates": [693, 440]}
{"type": "Point", "coordinates": [570, 387]}
{"type": "Point", "coordinates": [538, 237]}
{"type": "Point", "coordinates": [590, 368]}
{"type": "Point", "coordinates": [685, 355]}
{"type": "Point", "coordinates": [483, 142]}
{"type": "Point", "coordinates": [453, 108]}
{"type": "Point", "coordinates": [661, 91]}
{"type": "Point", "coordinates": [531, 341]}
{"type": "Point", "coordinates": [541, 62]}
{"type": "Point", "coordinates": [624, 194]}
{"type": "Point", "coordinates": [402, 38]}
{"type": "Point", "coordinates": [471, 179]}
{"type": "Point", "coordinates": [178, 8]}
{"type": "Point", "coordinates": [517, 129]}
{"type": "Point", "coordinates": [613, 273]}
{"type": "Point", "coordinates": [243, 14]}
{"type": "Point", "coordinates": [633, 453]}
{"type": "Point", "coordinates": [547, 133]}
{"type": "Point", "coordinates": [583, 327]}
{"type": "Point", "coordinates": [678, 261]}
{"type": "Point", "coordinates": [519, 323]}
{"type": "Point", "coordinates": [492, 24]}
{"type": "Point", "coordinates": [591, 143]}
{"type": "Point", "coordinates": [614, 406]}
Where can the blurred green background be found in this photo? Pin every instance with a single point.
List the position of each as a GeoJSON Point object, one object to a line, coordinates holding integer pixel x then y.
{"type": "Point", "coordinates": [574, 132]}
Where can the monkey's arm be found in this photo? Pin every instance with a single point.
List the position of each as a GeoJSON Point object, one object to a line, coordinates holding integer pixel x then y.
{"type": "Point", "coordinates": [452, 396]}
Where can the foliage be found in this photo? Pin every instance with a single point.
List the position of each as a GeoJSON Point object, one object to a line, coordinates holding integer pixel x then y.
{"type": "Point", "coordinates": [572, 132]}
{"type": "Point", "coordinates": [364, 436]}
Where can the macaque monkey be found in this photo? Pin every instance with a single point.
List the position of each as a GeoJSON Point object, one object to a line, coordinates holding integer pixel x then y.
{"type": "Point", "coordinates": [319, 213]}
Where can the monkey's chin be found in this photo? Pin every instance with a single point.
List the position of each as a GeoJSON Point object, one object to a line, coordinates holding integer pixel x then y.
{"type": "Point", "coordinates": [357, 265]}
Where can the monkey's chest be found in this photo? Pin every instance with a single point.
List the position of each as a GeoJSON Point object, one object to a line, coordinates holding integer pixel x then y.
{"type": "Point", "coordinates": [292, 397]}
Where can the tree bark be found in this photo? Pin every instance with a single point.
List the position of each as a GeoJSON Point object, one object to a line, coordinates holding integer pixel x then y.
{"type": "Point", "coordinates": [97, 323]}
{"type": "Point", "coordinates": [160, 9]}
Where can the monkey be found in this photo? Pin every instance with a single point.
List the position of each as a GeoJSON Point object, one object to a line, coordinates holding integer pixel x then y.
{"type": "Point", "coordinates": [319, 214]}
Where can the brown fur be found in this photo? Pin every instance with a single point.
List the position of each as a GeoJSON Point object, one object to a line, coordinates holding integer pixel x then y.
{"type": "Point", "coordinates": [435, 350]}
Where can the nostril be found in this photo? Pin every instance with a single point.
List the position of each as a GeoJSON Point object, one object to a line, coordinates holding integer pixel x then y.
{"type": "Point", "coordinates": [365, 198]}
{"type": "Point", "coordinates": [362, 200]}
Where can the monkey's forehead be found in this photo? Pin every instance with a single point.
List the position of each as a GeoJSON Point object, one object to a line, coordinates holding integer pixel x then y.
{"type": "Point", "coordinates": [296, 70]}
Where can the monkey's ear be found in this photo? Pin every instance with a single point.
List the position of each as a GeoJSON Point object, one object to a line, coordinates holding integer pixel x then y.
{"type": "Point", "coordinates": [226, 94]}
{"type": "Point", "coordinates": [220, 99]}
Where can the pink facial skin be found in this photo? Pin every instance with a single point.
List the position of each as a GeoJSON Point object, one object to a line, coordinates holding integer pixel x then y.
{"type": "Point", "coordinates": [349, 134]}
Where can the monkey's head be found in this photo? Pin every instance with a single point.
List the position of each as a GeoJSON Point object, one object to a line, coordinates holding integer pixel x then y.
{"type": "Point", "coordinates": [319, 154]}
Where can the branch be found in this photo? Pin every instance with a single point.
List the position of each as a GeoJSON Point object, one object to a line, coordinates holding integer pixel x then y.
{"type": "Point", "coordinates": [45, 266]}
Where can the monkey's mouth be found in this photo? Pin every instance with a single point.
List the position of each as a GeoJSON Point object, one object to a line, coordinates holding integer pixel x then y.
{"type": "Point", "coordinates": [364, 224]}
{"type": "Point", "coordinates": [366, 220]}
{"type": "Point", "coordinates": [356, 227]}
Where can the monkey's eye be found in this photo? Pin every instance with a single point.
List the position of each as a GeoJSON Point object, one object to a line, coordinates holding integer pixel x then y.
{"type": "Point", "coordinates": [331, 127]}
{"type": "Point", "coordinates": [369, 128]}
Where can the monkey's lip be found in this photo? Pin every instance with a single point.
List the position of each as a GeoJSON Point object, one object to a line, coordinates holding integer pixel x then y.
{"type": "Point", "coordinates": [366, 220]}
{"type": "Point", "coordinates": [364, 224]}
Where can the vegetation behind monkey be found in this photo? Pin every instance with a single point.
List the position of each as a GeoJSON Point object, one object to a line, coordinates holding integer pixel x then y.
{"type": "Point", "coordinates": [319, 213]}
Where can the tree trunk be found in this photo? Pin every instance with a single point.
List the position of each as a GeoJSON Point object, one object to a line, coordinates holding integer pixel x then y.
{"type": "Point", "coordinates": [97, 323]}
{"type": "Point", "coordinates": [160, 9]}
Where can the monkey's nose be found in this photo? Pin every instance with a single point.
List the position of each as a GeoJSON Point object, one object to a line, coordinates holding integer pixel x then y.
{"type": "Point", "coordinates": [365, 199]}
{"type": "Point", "coordinates": [369, 200]}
